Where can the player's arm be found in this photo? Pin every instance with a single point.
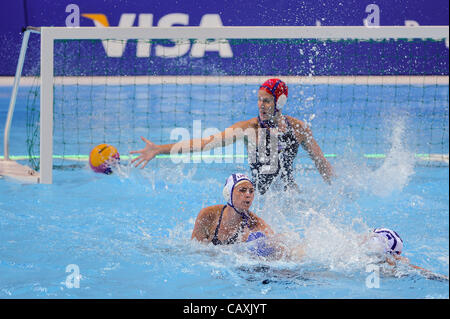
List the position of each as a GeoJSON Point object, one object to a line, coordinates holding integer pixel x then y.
{"type": "Point", "coordinates": [277, 241]}
{"type": "Point", "coordinates": [263, 226]}
{"type": "Point", "coordinates": [304, 136]}
{"type": "Point", "coordinates": [425, 272]}
{"type": "Point", "coordinates": [202, 225]}
{"type": "Point", "coordinates": [229, 135]}
{"type": "Point", "coordinates": [285, 250]}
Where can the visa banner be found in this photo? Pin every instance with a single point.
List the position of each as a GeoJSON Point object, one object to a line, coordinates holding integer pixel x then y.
{"type": "Point", "coordinates": [226, 57]}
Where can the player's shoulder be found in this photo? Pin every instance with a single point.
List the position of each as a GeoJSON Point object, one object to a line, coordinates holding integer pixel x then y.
{"type": "Point", "coordinates": [210, 212]}
{"type": "Point", "coordinates": [251, 123]}
{"type": "Point", "coordinates": [256, 218]}
{"type": "Point", "coordinates": [295, 123]}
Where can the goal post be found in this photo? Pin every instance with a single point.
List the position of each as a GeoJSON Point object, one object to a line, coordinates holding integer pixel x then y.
{"type": "Point", "coordinates": [9, 167]}
{"type": "Point", "coordinates": [109, 35]}
{"type": "Point", "coordinates": [46, 114]}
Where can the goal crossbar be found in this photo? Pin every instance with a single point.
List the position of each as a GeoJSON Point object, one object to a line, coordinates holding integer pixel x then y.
{"type": "Point", "coordinates": [203, 33]}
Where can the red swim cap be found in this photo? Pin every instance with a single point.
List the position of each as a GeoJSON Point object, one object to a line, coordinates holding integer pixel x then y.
{"type": "Point", "coordinates": [277, 88]}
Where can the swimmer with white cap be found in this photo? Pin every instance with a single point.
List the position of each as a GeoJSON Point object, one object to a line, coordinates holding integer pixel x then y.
{"type": "Point", "coordinates": [234, 222]}
{"type": "Point", "coordinates": [385, 241]}
{"type": "Point", "coordinates": [388, 245]}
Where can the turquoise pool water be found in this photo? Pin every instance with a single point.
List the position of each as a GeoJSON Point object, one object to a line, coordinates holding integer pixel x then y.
{"type": "Point", "coordinates": [129, 233]}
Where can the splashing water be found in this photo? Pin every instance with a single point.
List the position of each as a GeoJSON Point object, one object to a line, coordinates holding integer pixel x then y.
{"type": "Point", "coordinates": [329, 242]}
{"type": "Point", "coordinates": [397, 168]}
{"type": "Point", "coordinates": [332, 244]}
{"type": "Point", "coordinates": [392, 176]}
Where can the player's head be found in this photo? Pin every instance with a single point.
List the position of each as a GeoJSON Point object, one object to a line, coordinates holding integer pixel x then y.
{"type": "Point", "coordinates": [239, 191]}
{"type": "Point", "coordinates": [272, 96]}
{"type": "Point", "coordinates": [387, 241]}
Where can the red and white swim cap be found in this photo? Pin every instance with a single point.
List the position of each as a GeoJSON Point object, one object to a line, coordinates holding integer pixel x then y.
{"type": "Point", "coordinates": [278, 89]}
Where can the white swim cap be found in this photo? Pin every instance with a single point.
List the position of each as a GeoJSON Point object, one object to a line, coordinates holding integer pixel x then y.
{"type": "Point", "coordinates": [387, 241]}
{"type": "Point", "coordinates": [231, 183]}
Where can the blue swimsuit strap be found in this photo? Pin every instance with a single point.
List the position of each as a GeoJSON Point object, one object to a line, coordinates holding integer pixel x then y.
{"type": "Point", "coordinates": [231, 240]}
{"type": "Point", "coordinates": [266, 124]}
{"type": "Point", "coordinates": [270, 124]}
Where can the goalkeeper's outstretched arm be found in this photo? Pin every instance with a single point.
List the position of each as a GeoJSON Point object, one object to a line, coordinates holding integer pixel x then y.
{"type": "Point", "coordinates": [228, 136]}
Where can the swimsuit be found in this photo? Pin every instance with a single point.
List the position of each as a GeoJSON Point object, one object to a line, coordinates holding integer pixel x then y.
{"type": "Point", "coordinates": [258, 247]}
{"type": "Point", "coordinates": [287, 151]}
{"type": "Point", "coordinates": [232, 239]}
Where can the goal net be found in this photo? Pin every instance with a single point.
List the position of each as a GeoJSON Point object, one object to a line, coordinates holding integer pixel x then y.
{"type": "Point", "coordinates": [351, 85]}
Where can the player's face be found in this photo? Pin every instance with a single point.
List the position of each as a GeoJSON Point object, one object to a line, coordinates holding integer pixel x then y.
{"type": "Point", "coordinates": [266, 105]}
{"type": "Point", "coordinates": [243, 196]}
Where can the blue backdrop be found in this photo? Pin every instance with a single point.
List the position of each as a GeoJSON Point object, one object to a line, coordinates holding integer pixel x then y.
{"type": "Point", "coordinates": [14, 15]}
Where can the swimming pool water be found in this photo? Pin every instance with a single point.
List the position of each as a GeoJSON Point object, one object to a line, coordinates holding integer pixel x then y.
{"type": "Point", "coordinates": [129, 233]}
{"type": "Point", "coordinates": [132, 240]}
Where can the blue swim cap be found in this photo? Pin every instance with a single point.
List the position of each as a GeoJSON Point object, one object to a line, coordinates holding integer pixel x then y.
{"type": "Point", "coordinates": [259, 247]}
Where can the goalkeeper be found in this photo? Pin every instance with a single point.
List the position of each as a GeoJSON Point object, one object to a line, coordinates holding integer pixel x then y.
{"type": "Point", "coordinates": [272, 141]}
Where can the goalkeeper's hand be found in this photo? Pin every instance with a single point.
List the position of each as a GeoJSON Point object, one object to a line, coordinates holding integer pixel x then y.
{"type": "Point", "coordinates": [146, 154]}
